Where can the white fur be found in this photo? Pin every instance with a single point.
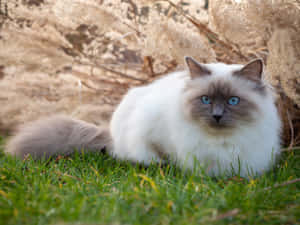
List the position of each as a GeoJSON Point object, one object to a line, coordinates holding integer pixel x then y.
{"type": "Point", "coordinates": [154, 114]}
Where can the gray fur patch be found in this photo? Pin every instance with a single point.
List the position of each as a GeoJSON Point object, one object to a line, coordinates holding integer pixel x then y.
{"type": "Point", "coordinates": [57, 135]}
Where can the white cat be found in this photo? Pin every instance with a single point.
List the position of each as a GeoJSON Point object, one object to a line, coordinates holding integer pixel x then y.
{"type": "Point", "coordinates": [221, 116]}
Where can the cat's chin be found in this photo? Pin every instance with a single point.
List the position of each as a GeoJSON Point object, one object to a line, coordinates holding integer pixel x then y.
{"type": "Point", "coordinates": [218, 129]}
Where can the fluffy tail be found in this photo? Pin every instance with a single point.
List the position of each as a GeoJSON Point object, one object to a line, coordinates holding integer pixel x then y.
{"type": "Point", "coordinates": [57, 135]}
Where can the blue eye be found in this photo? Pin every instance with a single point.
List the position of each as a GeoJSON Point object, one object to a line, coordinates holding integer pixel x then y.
{"type": "Point", "coordinates": [233, 100]}
{"type": "Point", "coordinates": [205, 99]}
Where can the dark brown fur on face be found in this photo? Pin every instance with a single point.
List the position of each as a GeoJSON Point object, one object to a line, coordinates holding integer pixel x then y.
{"type": "Point", "coordinates": [219, 116]}
{"type": "Point", "coordinates": [219, 93]}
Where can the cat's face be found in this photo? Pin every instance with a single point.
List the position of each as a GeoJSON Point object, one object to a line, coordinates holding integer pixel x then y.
{"type": "Point", "coordinates": [223, 97]}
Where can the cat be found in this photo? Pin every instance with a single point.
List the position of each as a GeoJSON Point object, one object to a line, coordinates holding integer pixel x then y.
{"type": "Point", "coordinates": [220, 116]}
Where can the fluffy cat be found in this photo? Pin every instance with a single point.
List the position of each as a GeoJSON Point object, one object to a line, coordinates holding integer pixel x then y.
{"type": "Point", "coordinates": [223, 116]}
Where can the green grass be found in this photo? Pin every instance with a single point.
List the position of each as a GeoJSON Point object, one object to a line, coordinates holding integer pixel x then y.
{"type": "Point", "coordinates": [96, 189]}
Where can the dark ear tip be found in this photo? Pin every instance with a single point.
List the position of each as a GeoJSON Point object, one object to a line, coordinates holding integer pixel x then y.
{"type": "Point", "coordinates": [188, 58]}
{"type": "Point", "coordinates": [258, 63]}
{"type": "Point", "coordinates": [258, 60]}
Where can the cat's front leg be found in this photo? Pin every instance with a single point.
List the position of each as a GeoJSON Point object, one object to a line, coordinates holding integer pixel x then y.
{"type": "Point", "coordinates": [138, 152]}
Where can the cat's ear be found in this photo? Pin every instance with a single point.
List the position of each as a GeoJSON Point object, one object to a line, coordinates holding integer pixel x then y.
{"type": "Point", "coordinates": [196, 69]}
{"type": "Point", "coordinates": [252, 71]}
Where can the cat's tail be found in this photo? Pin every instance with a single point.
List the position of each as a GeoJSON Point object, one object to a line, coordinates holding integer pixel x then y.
{"type": "Point", "coordinates": [57, 135]}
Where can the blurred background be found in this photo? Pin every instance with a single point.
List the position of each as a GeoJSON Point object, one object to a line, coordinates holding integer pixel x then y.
{"type": "Point", "coordinates": [78, 57]}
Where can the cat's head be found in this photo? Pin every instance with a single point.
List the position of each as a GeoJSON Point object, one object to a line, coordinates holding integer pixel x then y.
{"type": "Point", "coordinates": [221, 98]}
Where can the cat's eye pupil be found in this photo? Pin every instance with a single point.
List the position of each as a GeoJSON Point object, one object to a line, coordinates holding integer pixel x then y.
{"type": "Point", "coordinates": [205, 99]}
{"type": "Point", "coordinates": [234, 100]}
